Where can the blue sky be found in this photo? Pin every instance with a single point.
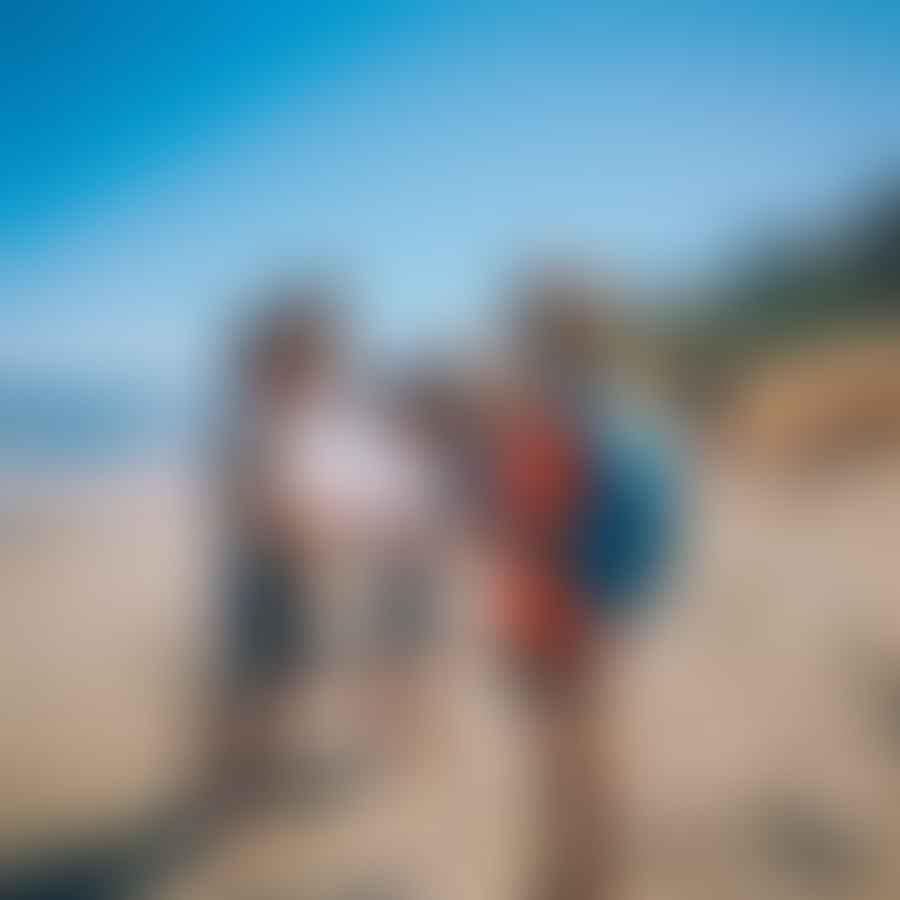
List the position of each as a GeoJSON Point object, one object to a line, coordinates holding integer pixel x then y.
{"type": "Point", "coordinates": [159, 157]}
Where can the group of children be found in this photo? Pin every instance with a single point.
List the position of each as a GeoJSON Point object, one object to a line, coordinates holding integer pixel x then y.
{"type": "Point", "coordinates": [327, 470]}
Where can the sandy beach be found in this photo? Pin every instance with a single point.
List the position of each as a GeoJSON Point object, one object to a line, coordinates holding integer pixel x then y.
{"type": "Point", "coordinates": [758, 707]}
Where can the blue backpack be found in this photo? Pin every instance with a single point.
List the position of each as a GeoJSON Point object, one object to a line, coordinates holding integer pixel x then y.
{"type": "Point", "coordinates": [627, 531]}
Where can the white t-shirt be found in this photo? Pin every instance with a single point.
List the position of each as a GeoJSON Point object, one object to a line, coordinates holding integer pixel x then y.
{"type": "Point", "coordinates": [352, 472]}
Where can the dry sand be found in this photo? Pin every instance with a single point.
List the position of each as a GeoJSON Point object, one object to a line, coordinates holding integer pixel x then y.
{"type": "Point", "coordinates": [759, 716]}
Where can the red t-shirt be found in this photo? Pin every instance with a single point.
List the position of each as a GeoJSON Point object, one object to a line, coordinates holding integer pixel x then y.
{"type": "Point", "coordinates": [538, 477]}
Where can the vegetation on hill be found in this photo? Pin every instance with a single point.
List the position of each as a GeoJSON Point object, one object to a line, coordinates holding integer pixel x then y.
{"type": "Point", "coordinates": [786, 293]}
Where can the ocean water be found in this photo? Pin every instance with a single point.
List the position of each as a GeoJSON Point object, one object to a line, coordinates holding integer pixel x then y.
{"type": "Point", "coordinates": [48, 422]}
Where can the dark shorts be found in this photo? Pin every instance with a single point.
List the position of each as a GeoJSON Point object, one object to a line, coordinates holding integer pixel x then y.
{"type": "Point", "coordinates": [272, 624]}
{"type": "Point", "coordinates": [269, 633]}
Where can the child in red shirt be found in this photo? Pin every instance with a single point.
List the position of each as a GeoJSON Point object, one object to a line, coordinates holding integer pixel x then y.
{"type": "Point", "coordinates": [539, 470]}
